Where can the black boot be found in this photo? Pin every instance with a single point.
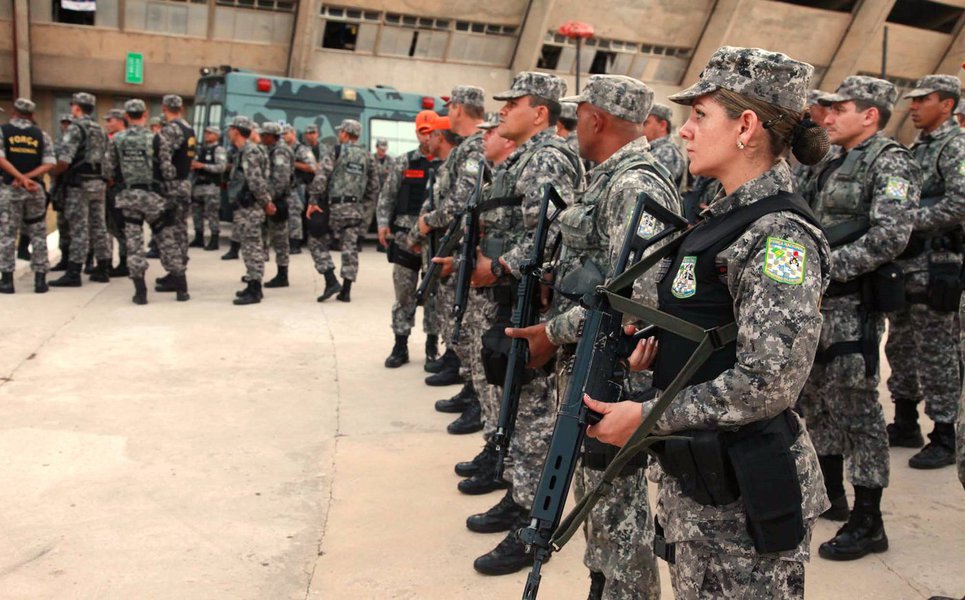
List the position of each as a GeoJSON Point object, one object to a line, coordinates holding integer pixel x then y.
{"type": "Point", "coordinates": [168, 283]}
{"type": "Point", "coordinates": [294, 246]}
{"type": "Point", "coordinates": [102, 272]}
{"type": "Point", "coordinates": [498, 518]}
{"type": "Point", "coordinates": [181, 283]}
{"type": "Point", "coordinates": [459, 402]}
{"type": "Point", "coordinates": [251, 294]}
{"type": "Point", "coordinates": [23, 248]}
{"type": "Point", "coordinates": [508, 557]}
{"type": "Point", "coordinates": [279, 280]}
{"type": "Point", "coordinates": [832, 467]}
{"type": "Point", "coordinates": [346, 294]}
{"type": "Point", "coordinates": [40, 283]}
{"type": "Point", "coordinates": [905, 432]}
{"type": "Point", "coordinates": [62, 264]}
{"type": "Point", "coordinates": [485, 460]}
{"type": "Point", "coordinates": [121, 269]}
{"type": "Point", "coordinates": [232, 253]}
{"type": "Point", "coordinates": [6, 282]}
{"type": "Point", "coordinates": [864, 532]}
{"type": "Point", "coordinates": [89, 264]}
{"type": "Point", "coordinates": [597, 585]}
{"type": "Point", "coordinates": [332, 286]}
{"type": "Point", "coordinates": [449, 374]}
{"type": "Point", "coordinates": [198, 241]}
{"type": "Point", "coordinates": [140, 291]}
{"type": "Point", "coordinates": [400, 353]}
{"type": "Point", "coordinates": [470, 421]}
{"type": "Point", "coordinates": [432, 351]}
{"type": "Point", "coordinates": [71, 277]}
{"type": "Point", "coordinates": [213, 243]}
{"type": "Point", "coordinates": [940, 451]}
{"type": "Point", "coordinates": [482, 483]}
{"type": "Point", "coordinates": [439, 363]}
{"type": "Point", "coordinates": [152, 250]}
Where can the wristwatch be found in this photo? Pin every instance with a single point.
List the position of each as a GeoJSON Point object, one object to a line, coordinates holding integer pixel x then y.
{"type": "Point", "coordinates": [497, 268]}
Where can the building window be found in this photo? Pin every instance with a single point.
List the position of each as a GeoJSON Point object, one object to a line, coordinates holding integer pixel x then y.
{"type": "Point", "coordinates": [265, 21]}
{"type": "Point", "coordinates": [74, 12]}
{"type": "Point", "coordinates": [648, 62]}
{"type": "Point", "coordinates": [835, 5]}
{"type": "Point", "coordinates": [925, 14]}
{"type": "Point", "coordinates": [178, 17]}
{"type": "Point", "coordinates": [6, 9]}
{"type": "Point", "coordinates": [410, 36]}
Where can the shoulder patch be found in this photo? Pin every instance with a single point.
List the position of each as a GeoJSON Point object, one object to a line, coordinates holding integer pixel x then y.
{"type": "Point", "coordinates": [471, 167]}
{"type": "Point", "coordinates": [785, 261]}
{"type": "Point", "coordinates": [685, 282]}
{"type": "Point", "coordinates": [961, 168]}
{"type": "Point", "coordinates": [897, 188]}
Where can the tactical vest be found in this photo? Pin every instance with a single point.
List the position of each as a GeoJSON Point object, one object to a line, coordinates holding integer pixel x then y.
{"type": "Point", "coordinates": [933, 188]}
{"type": "Point", "coordinates": [286, 185]}
{"type": "Point", "coordinates": [304, 177]}
{"type": "Point", "coordinates": [135, 157]}
{"type": "Point", "coordinates": [933, 192]}
{"type": "Point", "coordinates": [350, 175]}
{"type": "Point", "coordinates": [238, 191]}
{"type": "Point", "coordinates": [206, 155]}
{"type": "Point", "coordinates": [90, 154]}
{"type": "Point", "coordinates": [844, 194]}
{"type": "Point", "coordinates": [412, 190]}
{"type": "Point", "coordinates": [694, 289]}
{"type": "Point", "coordinates": [24, 148]}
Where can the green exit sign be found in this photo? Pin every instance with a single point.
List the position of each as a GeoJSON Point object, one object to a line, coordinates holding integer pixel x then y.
{"type": "Point", "coordinates": [134, 68]}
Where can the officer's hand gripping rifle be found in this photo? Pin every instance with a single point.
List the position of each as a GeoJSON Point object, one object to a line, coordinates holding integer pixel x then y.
{"type": "Point", "coordinates": [595, 372]}
{"type": "Point", "coordinates": [447, 243]}
{"type": "Point", "coordinates": [432, 246]}
{"type": "Point", "coordinates": [470, 241]}
{"type": "Point", "coordinates": [525, 314]}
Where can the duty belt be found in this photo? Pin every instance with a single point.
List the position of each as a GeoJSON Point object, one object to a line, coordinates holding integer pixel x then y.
{"type": "Point", "coordinates": [145, 187]}
{"type": "Point", "coordinates": [343, 199]}
{"type": "Point", "coordinates": [837, 289]}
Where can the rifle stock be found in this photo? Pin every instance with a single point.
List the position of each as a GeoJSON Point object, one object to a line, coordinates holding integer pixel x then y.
{"type": "Point", "coordinates": [470, 241]}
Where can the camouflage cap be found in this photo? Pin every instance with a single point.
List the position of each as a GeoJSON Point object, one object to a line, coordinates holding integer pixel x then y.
{"type": "Point", "coordinates": [66, 118]}
{"type": "Point", "coordinates": [531, 83]}
{"type": "Point", "coordinates": [172, 101]}
{"type": "Point", "coordinates": [623, 97]}
{"type": "Point", "coordinates": [568, 110]}
{"type": "Point", "coordinates": [288, 128]}
{"type": "Point", "coordinates": [815, 97]}
{"type": "Point", "coordinates": [872, 90]}
{"type": "Point", "coordinates": [351, 127]}
{"type": "Point", "coordinates": [960, 109]}
{"type": "Point", "coordinates": [242, 123]}
{"type": "Point", "coordinates": [155, 121]}
{"type": "Point", "coordinates": [271, 128]}
{"type": "Point", "coordinates": [114, 113]}
{"type": "Point", "coordinates": [662, 112]}
{"type": "Point", "coordinates": [24, 106]}
{"type": "Point", "coordinates": [491, 123]}
{"type": "Point", "coordinates": [767, 76]}
{"type": "Point", "coordinates": [136, 105]}
{"type": "Point", "coordinates": [83, 98]}
{"type": "Point", "coordinates": [381, 143]}
{"type": "Point", "coordinates": [936, 83]}
{"type": "Point", "coordinates": [213, 129]}
{"type": "Point", "coordinates": [468, 95]}
{"type": "Point", "coordinates": [311, 129]}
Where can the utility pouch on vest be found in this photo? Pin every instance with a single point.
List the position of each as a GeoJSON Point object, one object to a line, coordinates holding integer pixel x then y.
{"type": "Point", "coordinates": [402, 257]}
{"type": "Point", "coordinates": [769, 485]}
{"type": "Point", "coordinates": [944, 289]}
{"type": "Point", "coordinates": [701, 466]}
{"type": "Point", "coordinates": [581, 281]}
{"type": "Point", "coordinates": [888, 288]}
{"type": "Point", "coordinates": [492, 248]}
{"type": "Point", "coordinates": [495, 353]}
{"type": "Point", "coordinates": [281, 211]}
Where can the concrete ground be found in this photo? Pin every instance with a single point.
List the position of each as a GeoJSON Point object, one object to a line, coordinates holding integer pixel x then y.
{"type": "Point", "coordinates": [203, 450]}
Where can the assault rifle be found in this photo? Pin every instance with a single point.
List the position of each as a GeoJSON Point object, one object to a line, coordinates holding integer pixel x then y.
{"type": "Point", "coordinates": [470, 241]}
{"type": "Point", "coordinates": [433, 243]}
{"type": "Point", "coordinates": [595, 372]}
{"type": "Point", "coordinates": [525, 314]}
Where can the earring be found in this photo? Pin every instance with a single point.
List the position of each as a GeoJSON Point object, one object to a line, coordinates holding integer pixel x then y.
{"type": "Point", "coordinates": [740, 144]}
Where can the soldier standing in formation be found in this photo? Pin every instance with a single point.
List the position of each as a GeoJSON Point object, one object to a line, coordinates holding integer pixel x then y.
{"type": "Point", "coordinates": [248, 190]}
{"type": "Point", "coordinates": [57, 202]}
{"type": "Point", "coordinates": [79, 168]}
{"type": "Point", "coordinates": [26, 154]}
{"type": "Point", "coordinates": [347, 180]}
{"type": "Point", "coordinates": [209, 168]}
{"type": "Point", "coordinates": [114, 122]}
{"type": "Point", "coordinates": [657, 128]}
{"type": "Point", "coordinates": [862, 194]}
{"type": "Point", "coordinates": [132, 168]}
{"type": "Point", "coordinates": [400, 201]}
{"type": "Point", "coordinates": [281, 161]}
{"type": "Point", "coordinates": [304, 172]}
{"type": "Point", "coordinates": [921, 338]}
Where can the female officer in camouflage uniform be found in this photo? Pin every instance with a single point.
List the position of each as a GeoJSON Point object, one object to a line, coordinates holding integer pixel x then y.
{"type": "Point", "coordinates": [758, 260]}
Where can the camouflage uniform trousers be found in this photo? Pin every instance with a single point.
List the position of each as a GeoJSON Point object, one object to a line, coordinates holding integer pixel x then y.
{"type": "Point", "coordinates": [481, 312]}
{"type": "Point", "coordinates": [296, 207]}
{"type": "Point", "coordinates": [534, 429]}
{"type": "Point", "coordinates": [248, 222]}
{"type": "Point", "coordinates": [149, 208]}
{"type": "Point", "coordinates": [23, 210]}
{"type": "Point", "coordinates": [405, 282]}
{"type": "Point", "coordinates": [445, 297]}
{"type": "Point", "coordinates": [278, 240]}
{"type": "Point", "coordinates": [115, 220]}
{"type": "Point", "coordinates": [715, 570]}
{"type": "Point", "coordinates": [960, 428]}
{"type": "Point", "coordinates": [840, 403]}
{"type": "Point", "coordinates": [431, 317]}
{"type": "Point", "coordinates": [205, 208]}
{"type": "Point", "coordinates": [63, 228]}
{"type": "Point", "coordinates": [347, 230]}
{"type": "Point", "coordinates": [922, 352]}
{"type": "Point", "coordinates": [618, 531]}
{"type": "Point", "coordinates": [177, 193]}
{"type": "Point", "coordinates": [84, 211]}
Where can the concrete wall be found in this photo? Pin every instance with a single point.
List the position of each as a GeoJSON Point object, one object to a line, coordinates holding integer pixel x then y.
{"type": "Point", "coordinates": [501, 12]}
{"type": "Point", "coordinates": [675, 23]}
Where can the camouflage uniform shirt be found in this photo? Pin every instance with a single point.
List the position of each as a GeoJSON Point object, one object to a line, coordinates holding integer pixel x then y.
{"type": "Point", "coordinates": [170, 138]}
{"type": "Point", "coordinates": [669, 155]}
{"type": "Point", "coordinates": [463, 167]}
{"type": "Point", "coordinates": [251, 165]}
